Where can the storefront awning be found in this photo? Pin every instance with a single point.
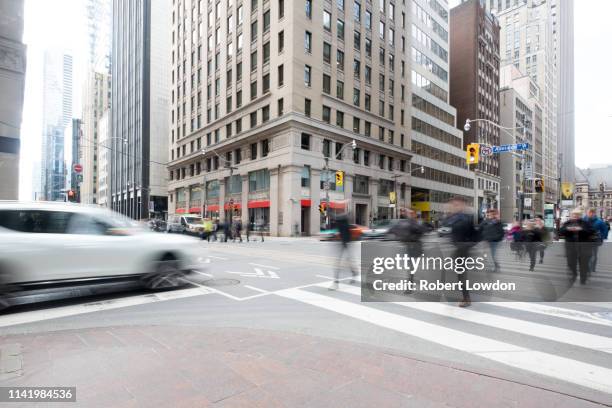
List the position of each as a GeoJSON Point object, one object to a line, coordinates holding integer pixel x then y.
{"type": "Point", "coordinates": [259, 204]}
{"type": "Point", "coordinates": [334, 205]}
{"type": "Point", "coordinates": [181, 211]}
{"type": "Point", "coordinates": [213, 207]}
{"type": "Point", "coordinates": [306, 202]}
{"type": "Point", "coordinates": [195, 210]}
{"type": "Point", "coordinates": [237, 206]}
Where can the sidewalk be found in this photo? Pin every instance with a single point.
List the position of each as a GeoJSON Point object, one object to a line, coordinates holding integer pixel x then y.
{"type": "Point", "coordinates": [158, 366]}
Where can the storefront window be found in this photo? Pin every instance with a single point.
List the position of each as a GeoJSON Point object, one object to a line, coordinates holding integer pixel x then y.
{"type": "Point", "coordinates": [259, 180]}
{"type": "Point", "coordinates": [212, 189]}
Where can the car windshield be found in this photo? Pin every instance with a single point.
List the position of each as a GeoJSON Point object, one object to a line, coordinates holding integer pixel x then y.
{"type": "Point", "coordinates": [193, 220]}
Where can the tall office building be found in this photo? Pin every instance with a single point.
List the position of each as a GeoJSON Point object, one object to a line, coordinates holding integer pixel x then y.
{"type": "Point", "coordinates": [521, 108]}
{"type": "Point", "coordinates": [564, 32]}
{"type": "Point", "coordinates": [12, 83]}
{"type": "Point", "coordinates": [529, 37]}
{"type": "Point", "coordinates": [264, 94]}
{"type": "Point", "coordinates": [96, 101]}
{"type": "Point", "coordinates": [57, 116]}
{"type": "Point", "coordinates": [474, 88]}
{"type": "Point", "coordinates": [140, 90]}
{"type": "Point", "coordinates": [96, 93]}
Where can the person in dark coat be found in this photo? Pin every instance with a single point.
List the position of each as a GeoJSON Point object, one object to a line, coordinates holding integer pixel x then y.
{"type": "Point", "coordinates": [532, 239]}
{"type": "Point", "coordinates": [463, 236]}
{"type": "Point", "coordinates": [492, 231]}
{"type": "Point", "coordinates": [409, 232]}
{"type": "Point", "coordinates": [578, 235]}
{"type": "Point", "coordinates": [601, 230]}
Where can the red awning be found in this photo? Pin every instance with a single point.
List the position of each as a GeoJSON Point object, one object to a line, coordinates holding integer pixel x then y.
{"type": "Point", "coordinates": [306, 203]}
{"type": "Point", "coordinates": [237, 206]}
{"type": "Point", "coordinates": [259, 204]}
{"type": "Point", "coordinates": [180, 211]}
{"type": "Point", "coordinates": [336, 205]}
{"type": "Point", "coordinates": [213, 207]}
{"type": "Point", "coordinates": [195, 210]}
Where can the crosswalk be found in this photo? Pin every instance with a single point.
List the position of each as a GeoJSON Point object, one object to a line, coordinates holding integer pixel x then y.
{"type": "Point", "coordinates": [562, 360]}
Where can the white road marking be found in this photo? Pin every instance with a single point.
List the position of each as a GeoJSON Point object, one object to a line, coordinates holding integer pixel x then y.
{"type": "Point", "coordinates": [256, 289]}
{"type": "Point", "coordinates": [218, 257]}
{"type": "Point", "coordinates": [263, 266]}
{"type": "Point", "coordinates": [565, 369]}
{"type": "Point", "coordinates": [543, 331]}
{"type": "Point", "coordinates": [257, 274]}
{"type": "Point", "coordinates": [554, 312]}
{"type": "Point", "coordinates": [64, 311]}
{"type": "Point", "coordinates": [204, 273]}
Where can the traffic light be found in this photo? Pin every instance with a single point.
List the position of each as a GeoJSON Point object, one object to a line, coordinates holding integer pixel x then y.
{"type": "Point", "coordinates": [339, 179]}
{"type": "Point", "coordinates": [539, 185]}
{"type": "Point", "coordinates": [392, 197]}
{"type": "Point", "coordinates": [322, 208]}
{"type": "Point", "coordinates": [472, 153]}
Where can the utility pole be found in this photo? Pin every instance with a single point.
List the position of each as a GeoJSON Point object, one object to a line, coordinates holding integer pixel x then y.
{"type": "Point", "coordinates": [521, 207]}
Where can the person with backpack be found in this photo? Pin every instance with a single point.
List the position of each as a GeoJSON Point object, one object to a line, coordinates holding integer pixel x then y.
{"type": "Point", "coordinates": [600, 234]}
{"type": "Point", "coordinates": [492, 231]}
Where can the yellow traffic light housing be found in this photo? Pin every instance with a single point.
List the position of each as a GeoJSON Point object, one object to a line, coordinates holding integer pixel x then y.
{"type": "Point", "coordinates": [472, 153]}
{"type": "Point", "coordinates": [339, 179]}
{"type": "Point", "coordinates": [322, 208]}
{"type": "Point", "coordinates": [539, 185]}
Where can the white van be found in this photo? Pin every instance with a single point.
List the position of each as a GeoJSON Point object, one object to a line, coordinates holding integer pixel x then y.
{"type": "Point", "coordinates": [185, 224]}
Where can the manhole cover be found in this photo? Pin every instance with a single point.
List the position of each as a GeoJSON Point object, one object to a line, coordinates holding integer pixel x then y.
{"type": "Point", "coordinates": [221, 282]}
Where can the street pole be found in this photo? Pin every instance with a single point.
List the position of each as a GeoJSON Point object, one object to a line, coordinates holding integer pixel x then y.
{"type": "Point", "coordinates": [476, 207]}
{"type": "Point", "coordinates": [326, 187]}
{"type": "Point", "coordinates": [521, 208]}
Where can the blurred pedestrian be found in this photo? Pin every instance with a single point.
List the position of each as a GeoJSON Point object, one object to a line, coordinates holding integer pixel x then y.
{"type": "Point", "coordinates": [531, 239]}
{"type": "Point", "coordinates": [492, 231]}
{"type": "Point", "coordinates": [578, 235]}
{"type": "Point", "coordinates": [344, 232]}
{"type": "Point", "coordinates": [544, 234]}
{"type": "Point", "coordinates": [215, 229]}
{"type": "Point", "coordinates": [227, 230]}
{"type": "Point", "coordinates": [260, 227]}
{"type": "Point", "coordinates": [515, 236]}
{"type": "Point", "coordinates": [410, 233]}
{"type": "Point", "coordinates": [238, 229]}
{"type": "Point", "coordinates": [600, 234]}
{"type": "Point", "coordinates": [463, 236]}
{"type": "Point", "coordinates": [249, 228]}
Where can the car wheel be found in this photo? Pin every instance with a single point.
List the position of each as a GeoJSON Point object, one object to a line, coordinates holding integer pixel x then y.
{"type": "Point", "coordinates": [166, 274]}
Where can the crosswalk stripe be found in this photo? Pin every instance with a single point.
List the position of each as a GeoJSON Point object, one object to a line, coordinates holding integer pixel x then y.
{"type": "Point", "coordinates": [554, 311]}
{"type": "Point", "coordinates": [561, 368]}
{"type": "Point", "coordinates": [543, 331]}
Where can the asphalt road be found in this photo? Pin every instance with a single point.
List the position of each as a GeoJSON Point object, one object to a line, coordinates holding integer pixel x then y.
{"type": "Point", "coordinates": [281, 287]}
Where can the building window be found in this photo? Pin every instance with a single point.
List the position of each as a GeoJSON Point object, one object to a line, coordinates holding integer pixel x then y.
{"type": "Point", "coordinates": [367, 128]}
{"type": "Point", "coordinates": [265, 148]}
{"type": "Point", "coordinates": [356, 96]}
{"type": "Point", "coordinates": [266, 83]}
{"type": "Point", "coordinates": [307, 104]}
{"type": "Point", "coordinates": [253, 118]}
{"type": "Point", "coordinates": [259, 180]}
{"type": "Point", "coordinates": [253, 90]}
{"type": "Point", "coordinates": [356, 69]}
{"type": "Point", "coordinates": [266, 19]}
{"type": "Point", "coordinates": [356, 125]}
{"type": "Point", "coordinates": [357, 11]}
{"type": "Point", "coordinates": [309, 8]}
{"type": "Point", "coordinates": [253, 151]}
{"type": "Point", "coordinates": [281, 41]}
{"type": "Point", "coordinates": [326, 114]}
{"type": "Point", "coordinates": [340, 60]}
{"type": "Point", "coordinates": [326, 20]}
{"type": "Point", "coordinates": [327, 53]}
{"type": "Point", "coordinates": [266, 52]}
{"type": "Point", "coordinates": [340, 89]}
{"type": "Point", "coordinates": [280, 107]}
{"type": "Point", "coordinates": [340, 119]}
{"type": "Point", "coordinates": [308, 42]}
{"type": "Point", "coordinates": [238, 125]}
{"type": "Point", "coordinates": [238, 99]}
{"type": "Point", "coordinates": [307, 76]}
{"type": "Point", "coordinates": [265, 114]}
{"type": "Point", "coordinates": [254, 61]}
{"type": "Point", "coordinates": [366, 158]}
{"type": "Point", "coordinates": [340, 29]}
{"type": "Point", "coordinates": [281, 75]}
{"type": "Point", "coordinates": [305, 141]}
{"type": "Point", "coordinates": [326, 84]}
{"type": "Point", "coordinates": [326, 148]}
{"type": "Point", "coordinates": [305, 182]}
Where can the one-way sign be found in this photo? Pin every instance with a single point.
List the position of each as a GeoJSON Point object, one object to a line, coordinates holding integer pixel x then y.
{"type": "Point", "coordinates": [510, 147]}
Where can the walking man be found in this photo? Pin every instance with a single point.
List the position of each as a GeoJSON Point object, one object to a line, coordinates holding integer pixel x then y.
{"type": "Point", "coordinates": [344, 232]}
{"type": "Point", "coordinates": [578, 234]}
{"type": "Point", "coordinates": [409, 232]}
{"type": "Point", "coordinates": [492, 231]}
{"type": "Point", "coordinates": [600, 235]}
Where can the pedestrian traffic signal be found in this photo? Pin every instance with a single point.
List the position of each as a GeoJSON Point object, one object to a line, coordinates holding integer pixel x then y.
{"type": "Point", "coordinates": [392, 197]}
{"type": "Point", "coordinates": [539, 185]}
{"type": "Point", "coordinates": [339, 179]}
{"type": "Point", "coordinates": [472, 153]}
{"type": "Point", "coordinates": [71, 195]}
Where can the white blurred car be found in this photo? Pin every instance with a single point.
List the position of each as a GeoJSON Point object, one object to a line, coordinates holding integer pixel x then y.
{"type": "Point", "coordinates": [46, 245]}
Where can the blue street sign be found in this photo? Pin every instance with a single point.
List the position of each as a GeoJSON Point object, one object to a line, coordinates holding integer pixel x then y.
{"type": "Point", "coordinates": [510, 147]}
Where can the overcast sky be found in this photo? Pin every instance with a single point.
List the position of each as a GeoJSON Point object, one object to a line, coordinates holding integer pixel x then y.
{"type": "Point", "coordinates": [60, 23]}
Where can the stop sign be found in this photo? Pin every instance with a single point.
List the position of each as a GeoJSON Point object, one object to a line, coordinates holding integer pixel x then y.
{"type": "Point", "coordinates": [77, 168]}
